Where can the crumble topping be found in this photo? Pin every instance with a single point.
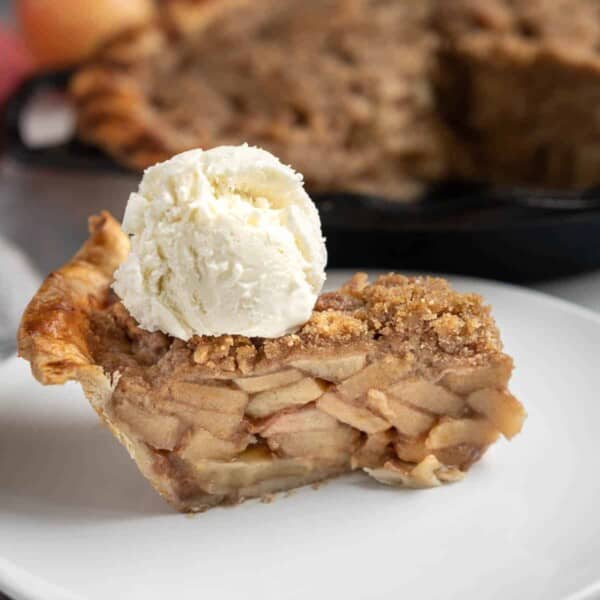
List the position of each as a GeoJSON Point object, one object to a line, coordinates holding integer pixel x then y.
{"type": "Point", "coordinates": [422, 315]}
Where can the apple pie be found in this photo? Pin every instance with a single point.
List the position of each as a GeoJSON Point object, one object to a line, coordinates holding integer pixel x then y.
{"type": "Point", "coordinates": [403, 378]}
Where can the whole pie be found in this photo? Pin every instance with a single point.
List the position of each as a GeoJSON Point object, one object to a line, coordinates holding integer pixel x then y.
{"type": "Point", "coordinates": [360, 95]}
{"type": "Point", "coordinates": [402, 377]}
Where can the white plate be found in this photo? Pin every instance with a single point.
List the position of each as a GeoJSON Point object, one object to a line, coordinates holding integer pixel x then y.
{"type": "Point", "coordinates": [78, 521]}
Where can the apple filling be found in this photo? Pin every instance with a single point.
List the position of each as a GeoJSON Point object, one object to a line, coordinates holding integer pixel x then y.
{"type": "Point", "coordinates": [225, 439]}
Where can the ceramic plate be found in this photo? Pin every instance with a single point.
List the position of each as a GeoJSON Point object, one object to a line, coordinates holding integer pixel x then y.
{"type": "Point", "coordinates": [77, 521]}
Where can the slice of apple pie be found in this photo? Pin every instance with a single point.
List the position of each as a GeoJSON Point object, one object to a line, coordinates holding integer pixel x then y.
{"type": "Point", "coordinates": [404, 378]}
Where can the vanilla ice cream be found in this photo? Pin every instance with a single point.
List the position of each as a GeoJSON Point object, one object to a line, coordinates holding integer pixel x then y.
{"type": "Point", "coordinates": [223, 241]}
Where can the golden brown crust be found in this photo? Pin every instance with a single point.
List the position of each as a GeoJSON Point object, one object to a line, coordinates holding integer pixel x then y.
{"type": "Point", "coordinates": [53, 334]}
{"type": "Point", "coordinates": [112, 109]}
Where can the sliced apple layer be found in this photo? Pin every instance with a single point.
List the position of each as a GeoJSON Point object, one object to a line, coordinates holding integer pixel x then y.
{"type": "Point", "coordinates": [236, 437]}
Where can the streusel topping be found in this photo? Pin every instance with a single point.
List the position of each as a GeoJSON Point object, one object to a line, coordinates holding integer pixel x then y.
{"type": "Point", "coordinates": [420, 315]}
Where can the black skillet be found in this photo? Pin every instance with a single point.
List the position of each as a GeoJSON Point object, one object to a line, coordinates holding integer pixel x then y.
{"type": "Point", "coordinates": [513, 234]}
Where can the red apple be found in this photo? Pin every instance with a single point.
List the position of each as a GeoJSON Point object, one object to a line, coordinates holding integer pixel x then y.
{"type": "Point", "coordinates": [61, 33]}
{"type": "Point", "coordinates": [16, 62]}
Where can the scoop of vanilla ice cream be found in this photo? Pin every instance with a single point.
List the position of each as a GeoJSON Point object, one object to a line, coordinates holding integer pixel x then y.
{"type": "Point", "coordinates": [223, 241]}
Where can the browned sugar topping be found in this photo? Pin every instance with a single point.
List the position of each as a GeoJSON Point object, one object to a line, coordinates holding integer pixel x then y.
{"type": "Point", "coordinates": [421, 315]}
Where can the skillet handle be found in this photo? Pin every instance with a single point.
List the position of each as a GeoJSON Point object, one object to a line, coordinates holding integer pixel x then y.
{"type": "Point", "coordinates": [71, 154]}
{"type": "Point", "coordinates": [15, 145]}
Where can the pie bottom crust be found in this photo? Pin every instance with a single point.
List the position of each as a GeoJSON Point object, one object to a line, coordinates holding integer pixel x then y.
{"type": "Point", "coordinates": [210, 427]}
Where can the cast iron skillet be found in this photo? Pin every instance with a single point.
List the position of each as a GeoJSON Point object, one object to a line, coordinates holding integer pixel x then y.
{"type": "Point", "coordinates": [513, 234]}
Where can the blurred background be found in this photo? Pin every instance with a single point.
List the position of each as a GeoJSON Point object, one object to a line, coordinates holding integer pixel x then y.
{"type": "Point", "coordinates": [450, 136]}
